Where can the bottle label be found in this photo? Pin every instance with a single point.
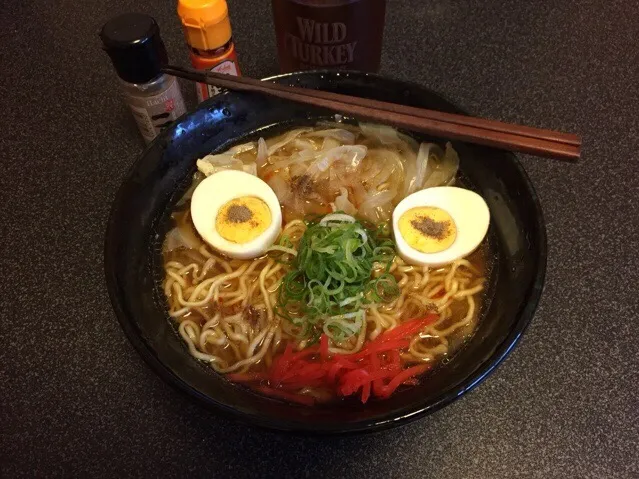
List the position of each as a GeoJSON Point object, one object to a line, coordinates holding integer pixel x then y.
{"type": "Point", "coordinates": [314, 35]}
{"type": "Point", "coordinates": [156, 113]}
{"type": "Point", "coordinates": [205, 91]}
{"type": "Point", "coordinates": [226, 64]}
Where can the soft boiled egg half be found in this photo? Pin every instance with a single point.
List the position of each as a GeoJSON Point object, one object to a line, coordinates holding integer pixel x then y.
{"type": "Point", "coordinates": [438, 225]}
{"type": "Point", "coordinates": [236, 213]}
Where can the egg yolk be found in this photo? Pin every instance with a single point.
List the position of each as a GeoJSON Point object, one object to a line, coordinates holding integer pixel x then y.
{"type": "Point", "coordinates": [243, 219]}
{"type": "Point", "coordinates": [427, 229]}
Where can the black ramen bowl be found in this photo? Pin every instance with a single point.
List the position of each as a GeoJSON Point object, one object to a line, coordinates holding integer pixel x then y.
{"type": "Point", "coordinates": [140, 219]}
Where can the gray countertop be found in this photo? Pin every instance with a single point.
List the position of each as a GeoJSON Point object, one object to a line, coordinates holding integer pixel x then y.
{"type": "Point", "coordinates": [77, 400]}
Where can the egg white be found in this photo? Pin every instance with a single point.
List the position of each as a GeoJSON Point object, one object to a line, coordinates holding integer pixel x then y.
{"type": "Point", "coordinates": [468, 210]}
{"type": "Point", "coordinates": [218, 189]}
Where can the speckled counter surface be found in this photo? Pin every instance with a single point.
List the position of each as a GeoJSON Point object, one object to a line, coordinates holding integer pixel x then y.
{"type": "Point", "coordinates": [77, 401]}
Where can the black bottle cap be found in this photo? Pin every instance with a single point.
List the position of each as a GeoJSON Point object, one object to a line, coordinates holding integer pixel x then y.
{"type": "Point", "coordinates": [133, 42]}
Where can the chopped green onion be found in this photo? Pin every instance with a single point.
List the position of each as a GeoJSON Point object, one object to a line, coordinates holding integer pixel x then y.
{"type": "Point", "coordinates": [330, 283]}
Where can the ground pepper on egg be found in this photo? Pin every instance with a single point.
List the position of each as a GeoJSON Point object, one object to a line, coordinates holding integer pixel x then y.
{"type": "Point", "coordinates": [243, 219]}
{"type": "Point", "coordinates": [239, 214]}
{"type": "Point", "coordinates": [428, 229]}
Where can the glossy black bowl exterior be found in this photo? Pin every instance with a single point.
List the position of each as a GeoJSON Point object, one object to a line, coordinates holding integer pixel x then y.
{"type": "Point", "coordinates": [139, 220]}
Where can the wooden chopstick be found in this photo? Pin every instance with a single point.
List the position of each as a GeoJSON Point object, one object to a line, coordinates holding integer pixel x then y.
{"type": "Point", "coordinates": [493, 133]}
{"type": "Point", "coordinates": [550, 135]}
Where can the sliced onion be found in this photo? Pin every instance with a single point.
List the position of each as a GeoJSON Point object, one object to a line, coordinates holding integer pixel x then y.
{"type": "Point", "coordinates": [299, 157]}
{"type": "Point", "coordinates": [408, 143]}
{"type": "Point", "coordinates": [290, 136]}
{"type": "Point", "coordinates": [303, 144]}
{"type": "Point", "coordinates": [221, 159]}
{"type": "Point", "coordinates": [343, 204]}
{"type": "Point", "coordinates": [329, 143]}
{"type": "Point", "coordinates": [280, 187]}
{"type": "Point", "coordinates": [410, 170]}
{"type": "Point", "coordinates": [250, 168]}
{"type": "Point", "coordinates": [441, 171]}
{"type": "Point", "coordinates": [428, 152]}
{"type": "Point", "coordinates": [359, 193]}
{"type": "Point", "coordinates": [377, 206]}
{"type": "Point", "coordinates": [370, 169]}
{"type": "Point", "coordinates": [379, 198]}
{"type": "Point", "coordinates": [183, 235]}
{"type": "Point", "coordinates": [262, 153]}
{"type": "Point", "coordinates": [350, 154]}
{"type": "Point", "coordinates": [383, 163]}
{"type": "Point", "coordinates": [340, 126]}
{"type": "Point", "coordinates": [173, 240]}
{"type": "Point", "coordinates": [339, 134]}
{"type": "Point", "coordinates": [386, 135]}
{"type": "Point", "coordinates": [297, 169]}
{"type": "Point", "coordinates": [211, 164]}
{"type": "Point", "coordinates": [237, 149]}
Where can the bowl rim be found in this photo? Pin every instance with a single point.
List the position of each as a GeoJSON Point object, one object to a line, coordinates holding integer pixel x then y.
{"type": "Point", "coordinates": [530, 302]}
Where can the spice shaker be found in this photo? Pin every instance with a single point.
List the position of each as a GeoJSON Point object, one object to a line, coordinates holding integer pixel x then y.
{"type": "Point", "coordinates": [133, 42]}
{"type": "Point", "coordinates": [320, 34]}
{"type": "Point", "coordinates": [207, 30]}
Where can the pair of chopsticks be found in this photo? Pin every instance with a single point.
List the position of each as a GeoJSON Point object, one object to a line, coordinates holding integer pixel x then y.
{"type": "Point", "coordinates": [524, 139]}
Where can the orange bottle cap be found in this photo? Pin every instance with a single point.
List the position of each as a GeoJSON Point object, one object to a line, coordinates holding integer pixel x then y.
{"type": "Point", "coordinates": [206, 23]}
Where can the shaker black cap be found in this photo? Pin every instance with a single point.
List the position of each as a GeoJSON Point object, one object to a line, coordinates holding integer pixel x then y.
{"type": "Point", "coordinates": [133, 42]}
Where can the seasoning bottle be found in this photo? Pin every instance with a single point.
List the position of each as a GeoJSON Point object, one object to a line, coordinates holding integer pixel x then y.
{"type": "Point", "coordinates": [133, 42]}
{"type": "Point", "coordinates": [320, 34]}
{"type": "Point", "coordinates": [207, 29]}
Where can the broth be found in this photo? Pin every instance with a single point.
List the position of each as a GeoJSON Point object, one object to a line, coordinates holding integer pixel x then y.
{"type": "Point", "coordinates": [235, 313]}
